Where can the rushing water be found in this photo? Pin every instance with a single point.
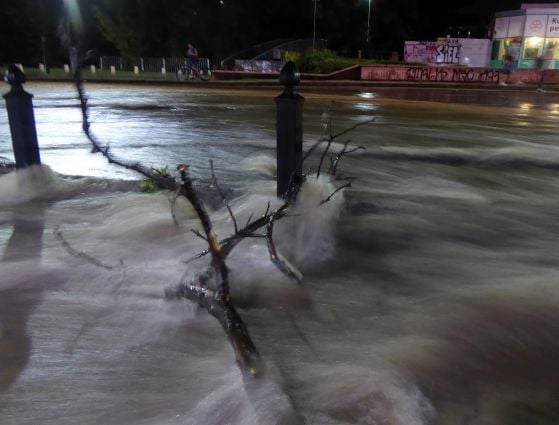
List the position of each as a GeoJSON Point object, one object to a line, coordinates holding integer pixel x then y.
{"type": "Point", "coordinates": [430, 287]}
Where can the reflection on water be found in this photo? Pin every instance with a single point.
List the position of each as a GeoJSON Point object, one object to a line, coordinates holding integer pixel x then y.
{"type": "Point", "coordinates": [429, 294]}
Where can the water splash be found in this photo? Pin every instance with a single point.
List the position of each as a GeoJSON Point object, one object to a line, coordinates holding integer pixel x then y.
{"type": "Point", "coordinates": [307, 237]}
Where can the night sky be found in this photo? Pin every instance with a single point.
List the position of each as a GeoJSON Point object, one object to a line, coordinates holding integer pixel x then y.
{"type": "Point", "coordinates": [221, 27]}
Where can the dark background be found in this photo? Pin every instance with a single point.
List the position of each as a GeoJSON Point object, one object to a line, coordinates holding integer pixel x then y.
{"type": "Point", "coordinates": [28, 28]}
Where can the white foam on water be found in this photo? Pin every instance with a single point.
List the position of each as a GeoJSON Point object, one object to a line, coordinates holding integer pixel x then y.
{"type": "Point", "coordinates": [307, 236]}
{"type": "Point", "coordinates": [30, 274]}
{"type": "Point", "coordinates": [252, 402]}
{"type": "Point", "coordinates": [257, 281]}
{"type": "Point", "coordinates": [357, 395]}
{"type": "Point", "coordinates": [261, 164]}
{"type": "Point", "coordinates": [23, 185]}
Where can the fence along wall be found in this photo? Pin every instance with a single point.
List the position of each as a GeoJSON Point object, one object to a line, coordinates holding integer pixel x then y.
{"type": "Point", "coordinates": [171, 64]}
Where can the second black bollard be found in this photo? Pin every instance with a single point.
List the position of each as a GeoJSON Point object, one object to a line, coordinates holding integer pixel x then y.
{"type": "Point", "coordinates": [289, 128]}
{"type": "Point", "coordinates": [19, 104]}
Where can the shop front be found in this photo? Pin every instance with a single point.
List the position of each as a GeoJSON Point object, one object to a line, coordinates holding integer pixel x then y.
{"type": "Point", "coordinates": [527, 38]}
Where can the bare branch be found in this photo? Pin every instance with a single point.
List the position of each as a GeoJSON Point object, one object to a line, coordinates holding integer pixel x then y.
{"type": "Point", "coordinates": [275, 257]}
{"type": "Point", "coordinates": [79, 254]}
{"type": "Point", "coordinates": [200, 235]}
{"type": "Point", "coordinates": [328, 143]}
{"type": "Point", "coordinates": [249, 218]}
{"type": "Point", "coordinates": [344, 151]}
{"type": "Point", "coordinates": [355, 149]}
{"type": "Point", "coordinates": [267, 209]}
{"type": "Point", "coordinates": [218, 263]}
{"type": "Point", "coordinates": [196, 257]}
{"type": "Point", "coordinates": [162, 181]}
{"type": "Point", "coordinates": [334, 192]}
{"type": "Point", "coordinates": [222, 195]}
{"type": "Point", "coordinates": [173, 202]}
{"type": "Point", "coordinates": [332, 138]}
{"type": "Point", "coordinates": [218, 302]}
{"type": "Point", "coordinates": [314, 146]}
{"type": "Point", "coordinates": [353, 127]}
{"type": "Point", "coordinates": [231, 242]}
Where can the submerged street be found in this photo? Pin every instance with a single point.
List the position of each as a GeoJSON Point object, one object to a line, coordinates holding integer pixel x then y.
{"type": "Point", "coordinates": [429, 291]}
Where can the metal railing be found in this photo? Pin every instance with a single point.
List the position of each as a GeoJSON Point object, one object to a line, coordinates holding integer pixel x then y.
{"type": "Point", "coordinates": [105, 63]}
{"type": "Point", "coordinates": [170, 64]}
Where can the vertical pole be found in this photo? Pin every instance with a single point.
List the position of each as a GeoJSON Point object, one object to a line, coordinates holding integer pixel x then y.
{"type": "Point", "coordinates": [44, 49]}
{"type": "Point", "coordinates": [22, 120]}
{"type": "Point", "coordinates": [369, 31]}
{"type": "Point", "coordinates": [314, 25]}
{"type": "Point", "coordinates": [289, 130]}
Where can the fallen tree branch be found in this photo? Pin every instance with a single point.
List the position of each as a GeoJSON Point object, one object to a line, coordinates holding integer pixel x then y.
{"type": "Point", "coordinates": [246, 353]}
{"type": "Point", "coordinates": [216, 302]}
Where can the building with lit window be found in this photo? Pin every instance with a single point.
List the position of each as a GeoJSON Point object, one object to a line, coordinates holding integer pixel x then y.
{"type": "Point", "coordinates": [527, 38]}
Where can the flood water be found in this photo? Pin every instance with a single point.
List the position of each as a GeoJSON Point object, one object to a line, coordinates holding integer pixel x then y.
{"type": "Point", "coordinates": [429, 292]}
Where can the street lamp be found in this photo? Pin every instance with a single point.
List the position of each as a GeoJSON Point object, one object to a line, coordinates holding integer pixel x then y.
{"type": "Point", "coordinates": [369, 30]}
{"type": "Point", "coordinates": [314, 24]}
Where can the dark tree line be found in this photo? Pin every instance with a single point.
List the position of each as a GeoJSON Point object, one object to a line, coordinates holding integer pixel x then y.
{"type": "Point", "coordinates": [219, 28]}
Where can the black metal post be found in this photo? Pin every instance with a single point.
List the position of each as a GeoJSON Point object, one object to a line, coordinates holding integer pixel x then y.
{"type": "Point", "coordinates": [289, 128]}
{"type": "Point", "coordinates": [22, 120]}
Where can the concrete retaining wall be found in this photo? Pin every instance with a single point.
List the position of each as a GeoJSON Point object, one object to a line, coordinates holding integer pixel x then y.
{"type": "Point", "coordinates": [418, 74]}
{"type": "Point", "coordinates": [456, 74]}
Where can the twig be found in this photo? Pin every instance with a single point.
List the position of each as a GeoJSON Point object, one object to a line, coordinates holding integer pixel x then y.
{"type": "Point", "coordinates": [197, 256]}
{"type": "Point", "coordinates": [331, 138]}
{"type": "Point", "coordinates": [197, 233]}
{"type": "Point", "coordinates": [230, 242]}
{"type": "Point", "coordinates": [328, 143]}
{"type": "Point", "coordinates": [334, 192]}
{"type": "Point", "coordinates": [249, 218]}
{"type": "Point", "coordinates": [173, 202]}
{"type": "Point", "coordinates": [274, 256]}
{"type": "Point", "coordinates": [350, 129]}
{"type": "Point", "coordinates": [313, 147]}
{"type": "Point", "coordinates": [222, 195]}
{"type": "Point", "coordinates": [79, 254]}
{"type": "Point", "coordinates": [332, 170]}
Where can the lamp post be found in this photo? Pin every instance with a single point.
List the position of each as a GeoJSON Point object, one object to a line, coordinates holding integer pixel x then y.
{"type": "Point", "coordinates": [369, 30]}
{"type": "Point", "coordinates": [314, 24]}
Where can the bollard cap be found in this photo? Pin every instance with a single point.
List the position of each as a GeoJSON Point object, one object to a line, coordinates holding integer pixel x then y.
{"type": "Point", "coordinates": [14, 76]}
{"type": "Point", "coordinates": [289, 77]}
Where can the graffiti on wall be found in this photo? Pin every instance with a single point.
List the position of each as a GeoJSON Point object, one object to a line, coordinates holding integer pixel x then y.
{"type": "Point", "coordinates": [420, 51]}
{"type": "Point", "coordinates": [459, 75]}
{"type": "Point", "coordinates": [449, 74]}
{"type": "Point", "coordinates": [448, 51]}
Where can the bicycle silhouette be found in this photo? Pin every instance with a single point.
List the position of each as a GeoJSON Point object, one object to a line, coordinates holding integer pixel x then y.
{"type": "Point", "coordinates": [190, 70]}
